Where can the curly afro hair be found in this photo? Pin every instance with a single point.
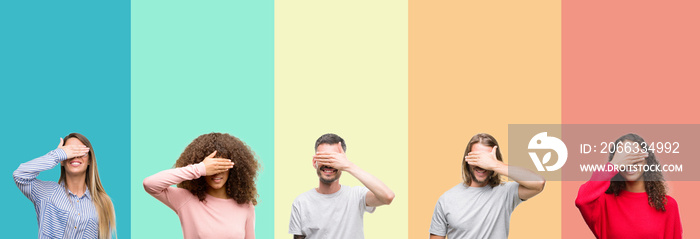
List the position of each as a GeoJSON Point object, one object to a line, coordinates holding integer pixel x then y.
{"type": "Point", "coordinates": [241, 178]}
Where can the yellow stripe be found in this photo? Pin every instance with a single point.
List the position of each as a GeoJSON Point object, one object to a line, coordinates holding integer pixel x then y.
{"type": "Point", "coordinates": [341, 67]}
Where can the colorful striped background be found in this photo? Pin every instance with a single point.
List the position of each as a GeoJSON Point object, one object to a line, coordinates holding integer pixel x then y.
{"type": "Point", "coordinates": [406, 83]}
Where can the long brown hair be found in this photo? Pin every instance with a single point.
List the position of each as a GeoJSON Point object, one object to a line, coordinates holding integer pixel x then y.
{"type": "Point", "coordinates": [487, 140]}
{"type": "Point", "coordinates": [240, 184]}
{"type": "Point", "coordinates": [654, 182]}
{"type": "Point", "coordinates": [106, 221]}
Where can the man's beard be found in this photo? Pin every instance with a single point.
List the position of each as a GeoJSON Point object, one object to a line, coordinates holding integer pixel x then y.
{"type": "Point", "coordinates": [327, 181]}
{"type": "Point", "coordinates": [477, 180]}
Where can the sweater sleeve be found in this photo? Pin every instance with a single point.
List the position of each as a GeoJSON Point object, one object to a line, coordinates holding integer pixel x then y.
{"type": "Point", "coordinates": [674, 230]}
{"type": "Point", "coordinates": [589, 197]}
{"type": "Point", "coordinates": [26, 173]}
{"type": "Point", "coordinates": [250, 223]}
{"type": "Point", "coordinates": [158, 185]}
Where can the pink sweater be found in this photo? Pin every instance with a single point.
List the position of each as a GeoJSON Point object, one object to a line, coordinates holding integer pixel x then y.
{"type": "Point", "coordinates": [212, 218]}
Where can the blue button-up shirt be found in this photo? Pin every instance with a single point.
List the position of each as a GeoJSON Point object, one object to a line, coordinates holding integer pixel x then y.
{"type": "Point", "coordinates": [59, 212]}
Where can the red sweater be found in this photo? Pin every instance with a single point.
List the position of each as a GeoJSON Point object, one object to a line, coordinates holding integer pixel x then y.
{"type": "Point", "coordinates": [628, 215]}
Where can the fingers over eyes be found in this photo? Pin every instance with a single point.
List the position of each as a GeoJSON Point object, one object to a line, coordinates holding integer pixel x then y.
{"type": "Point", "coordinates": [323, 156]}
{"type": "Point", "coordinates": [212, 154]}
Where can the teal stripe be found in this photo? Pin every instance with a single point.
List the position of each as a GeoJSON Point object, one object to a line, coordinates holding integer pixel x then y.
{"type": "Point", "coordinates": [199, 67]}
{"type": "Point", "coordinates": [64, 67]}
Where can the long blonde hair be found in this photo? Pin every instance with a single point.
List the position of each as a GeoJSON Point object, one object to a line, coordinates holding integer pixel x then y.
{"type": "Point", "coordinates": [106, 221]}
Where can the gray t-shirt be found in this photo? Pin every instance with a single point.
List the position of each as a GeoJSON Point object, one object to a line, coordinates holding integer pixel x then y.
{"type": "Point", "coordinates": [338, 215]}
{"type": "Point", "coordinates": [475, 212]}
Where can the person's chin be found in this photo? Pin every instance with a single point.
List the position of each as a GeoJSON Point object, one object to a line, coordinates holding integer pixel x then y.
{"type": "Point", "coordinates": [630, 177]}
{"type": "Point", "coordinates": [75, 171]}
{"type": "Point", "coordinates": [216, 186]}
{"type": "Point", "coordinates": [480, 179]}
{"type": "Point", "coordinates": [328, 180]}
{"type": "Point", "coordinates": [633, 178]}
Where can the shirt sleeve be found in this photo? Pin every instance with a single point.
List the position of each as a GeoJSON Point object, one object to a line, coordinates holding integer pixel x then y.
{"type": "Point", "coordinates": [158, 185]}
{"type": "Point", "coordinates": [26, 173]}
{"type": "Point", "coordinates": [587, 200]}
{"type": "Point", "coordinates": [250, 223]}
{"type": "Point", "coordinates": [295, 219]}
{"type": "Point", "coordinates": [361, 192]}
{"type": "Point", "coordinates": [512, 190]}
{"type": "Point", "coordinates": [438, 225]}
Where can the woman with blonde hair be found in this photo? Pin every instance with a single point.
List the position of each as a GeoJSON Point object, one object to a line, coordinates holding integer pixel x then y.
{"type": "Point", "coordinates": [75, 207]}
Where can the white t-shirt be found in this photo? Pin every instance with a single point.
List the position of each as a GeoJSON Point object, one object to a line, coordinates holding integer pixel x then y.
{"type": "Point", "coordinates": [338, 215]}
{"type": "Point", "coordinates": [475, 212]}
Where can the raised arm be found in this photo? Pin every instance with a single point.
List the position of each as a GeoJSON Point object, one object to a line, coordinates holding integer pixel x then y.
{"type": "Point", "coordinates": [530, 183]}
{"type": "Point", "coordinates": [26, 173]}
{"type": "Point", "coordinates": [158, 185]}
{"type": "Point", "coordinates": [379, 194]}
{"type": "Point", "coordinates": [590, 191]}
{"type": "Point", "coordinates": [588, 194]}
{"type": "Point", "coordinates": [600, 180]}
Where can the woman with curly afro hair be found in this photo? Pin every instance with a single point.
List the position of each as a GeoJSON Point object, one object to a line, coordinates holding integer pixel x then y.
{"type": "Point", "coordinates": [215, 194]}
{"type": "Point", "coordinates": [629, 203]}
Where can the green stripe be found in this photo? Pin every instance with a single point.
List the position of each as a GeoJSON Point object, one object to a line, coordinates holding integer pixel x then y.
{"type": "Point", "coordinates": [199, 67]}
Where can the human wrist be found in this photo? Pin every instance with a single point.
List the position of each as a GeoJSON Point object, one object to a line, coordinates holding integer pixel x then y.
{"type": "Point", "coordinates": [351, 168]}
{"type": "Point", "coordinates": [60, 154]}
{"type": "Point", "coordinates": [501, 168]}
{"type": "Point", "coordinates": [201, 168]}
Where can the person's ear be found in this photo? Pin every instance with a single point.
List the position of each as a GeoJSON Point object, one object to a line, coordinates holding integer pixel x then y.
{"type": "Point", "coordinates": [313, 163]}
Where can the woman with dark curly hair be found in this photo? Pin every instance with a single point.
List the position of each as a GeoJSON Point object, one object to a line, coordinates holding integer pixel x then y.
{"type": "Point", "coordinates": [630, 203]}
{"type": "Point", "coordinates": [215, 194]}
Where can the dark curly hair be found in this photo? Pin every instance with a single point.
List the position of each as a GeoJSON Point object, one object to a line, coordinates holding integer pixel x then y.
{"type": "Point", "coordinates": [240, 184]}
{"type": "Point", "coordinates": [654, 182]}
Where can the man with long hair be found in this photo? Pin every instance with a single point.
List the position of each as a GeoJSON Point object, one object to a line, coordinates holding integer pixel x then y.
{"type": "Point", "coordinates": [481, 205]}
